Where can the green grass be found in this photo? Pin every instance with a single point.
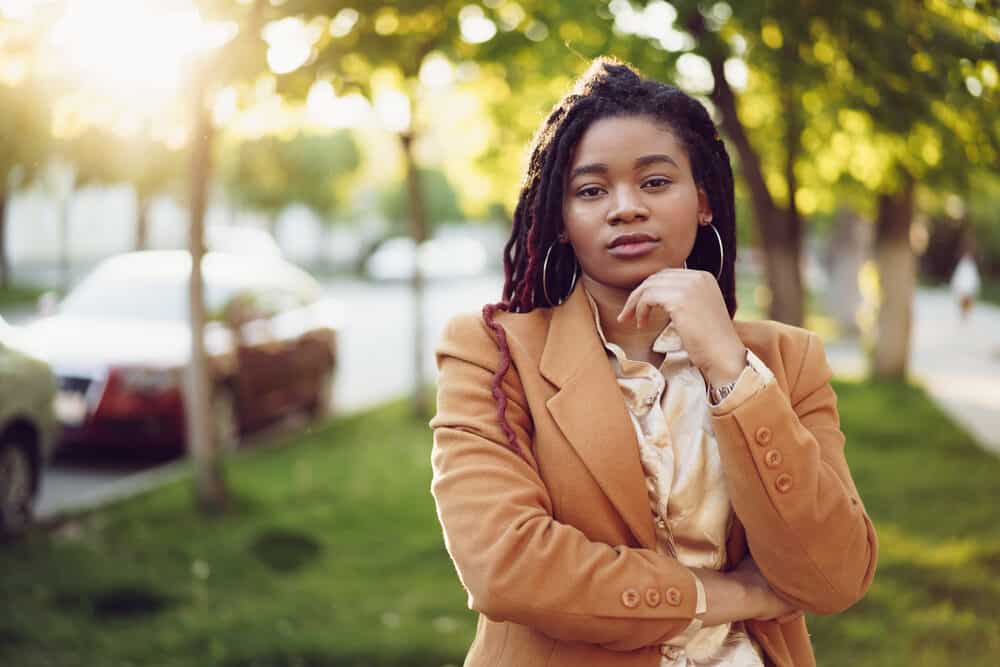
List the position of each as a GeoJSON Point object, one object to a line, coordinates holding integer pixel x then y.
{"type": "Point", "coordinates": [332, 557]}
{"type": "Point", "coordinates": [991, 291]}
{"type": "Point", "coordinates": [20, 295]}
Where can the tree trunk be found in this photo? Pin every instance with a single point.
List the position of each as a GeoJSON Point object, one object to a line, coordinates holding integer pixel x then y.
{"type": "Point", "coordinates": [63, 227]}
{"type": "Point", "coordinates": [4, 265]}
{"type": "Point", "coordinates": [896, 265]}
{"type": "Point", "coordinates": [779, 231]}
{"type": "Point", "coordinates": [210, 486]}
{"type": "Point", "coordinates": [142, 203]}
{"type": "Point", "coordinates": [418, 230]}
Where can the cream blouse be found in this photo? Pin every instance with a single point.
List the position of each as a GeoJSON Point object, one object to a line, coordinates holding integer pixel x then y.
{"type": "Point", "coordinates": [690, 505]}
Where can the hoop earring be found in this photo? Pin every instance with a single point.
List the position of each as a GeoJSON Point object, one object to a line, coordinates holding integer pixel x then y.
{"type": "Point", "coordinates": [722, 252]}
{"type": "Point", "coordinates": [545, 277]}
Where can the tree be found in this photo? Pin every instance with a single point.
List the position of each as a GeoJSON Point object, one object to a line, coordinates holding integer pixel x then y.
{"type": "Point", "coordinates": [241, 56]}
{"type": "Point", "coordinates": [269, 173]}
{"type": "Point", "coordinates": [24, 130]}
{"type": "Point", "coordinates": [440, 200]}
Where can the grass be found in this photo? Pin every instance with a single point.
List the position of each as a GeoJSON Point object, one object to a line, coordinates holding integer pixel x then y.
{"type": "Point", "coordinates": [332, 557]}
{"type": "Point", "coordinates": [991, 291]}
{"type": "Point", "coordinates": [20, 295]}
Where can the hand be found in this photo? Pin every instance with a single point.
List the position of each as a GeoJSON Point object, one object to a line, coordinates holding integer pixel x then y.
{"type": "Point", "coordinates": [765, 603]}
{"type": "Point", "coordinates": [693, 302]}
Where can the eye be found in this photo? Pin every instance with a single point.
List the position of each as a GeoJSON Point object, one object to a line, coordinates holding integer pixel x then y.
{"type": "Point", "coordinates": [656, 182]}
{"type": "Point", "coordinates": [590, 192]}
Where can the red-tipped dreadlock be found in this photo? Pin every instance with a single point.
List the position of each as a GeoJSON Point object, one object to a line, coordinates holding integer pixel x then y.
{"type": "Point", "coordinates": [607, 89]}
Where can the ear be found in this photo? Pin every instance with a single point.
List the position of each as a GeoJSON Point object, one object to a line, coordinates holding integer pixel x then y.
{"type": "Point", "coordinates": [704, 208]}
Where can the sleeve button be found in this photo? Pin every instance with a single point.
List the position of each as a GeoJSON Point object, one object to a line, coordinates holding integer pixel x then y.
{"type": "Point", "coordinates": [674, 597]}
{"type": "Point", "coordinates": [630, 598]}
{"type": "Point", "coordinates": [763, 435]}
{"type": "Point", "coordinates": [653, 597]}
{"type": "Point", "coordinates": [783, 483]}
{"type": "Point", "coordinates": [772, 458]}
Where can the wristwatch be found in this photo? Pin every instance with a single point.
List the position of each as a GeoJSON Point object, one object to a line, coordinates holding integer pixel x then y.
{"type": "Point", "coordinates": [717, 394]}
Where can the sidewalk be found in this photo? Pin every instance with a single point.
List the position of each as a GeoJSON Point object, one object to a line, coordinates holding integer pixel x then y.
{"type": "Point", "coordinates": [957, 363]}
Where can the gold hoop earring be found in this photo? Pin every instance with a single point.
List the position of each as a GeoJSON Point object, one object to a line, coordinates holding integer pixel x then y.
{"type": "Point", "coordinates": [545, 276]}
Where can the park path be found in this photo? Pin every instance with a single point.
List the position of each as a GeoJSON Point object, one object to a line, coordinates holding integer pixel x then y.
{"type": "Point", "coordinates": [958, 363]}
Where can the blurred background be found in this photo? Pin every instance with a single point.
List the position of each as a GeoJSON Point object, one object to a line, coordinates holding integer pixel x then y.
{"type": "Point", "coordinates": [231, 232]}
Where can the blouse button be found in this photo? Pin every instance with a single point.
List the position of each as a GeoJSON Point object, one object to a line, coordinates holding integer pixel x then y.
{"type": "Point", "coordinates": [653, 597]}
{"type": "Point", "coordinates": [674, 597]}
{"type": "Point", "coordinates": [763, 435]}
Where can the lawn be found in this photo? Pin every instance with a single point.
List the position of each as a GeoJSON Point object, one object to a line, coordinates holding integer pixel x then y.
{"type": "Point", "coordinates": [332, 557]}
{"type": "Point", "coordinates": [20, 295]}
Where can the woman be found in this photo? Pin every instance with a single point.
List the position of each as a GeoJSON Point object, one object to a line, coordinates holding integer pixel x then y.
{"type": "Point", "coordinates": [624, 475]}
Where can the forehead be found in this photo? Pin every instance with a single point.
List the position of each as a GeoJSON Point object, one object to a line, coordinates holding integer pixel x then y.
{"type": "Point", "coordinates": [622, 139]}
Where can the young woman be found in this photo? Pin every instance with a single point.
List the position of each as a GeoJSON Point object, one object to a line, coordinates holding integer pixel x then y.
{"type": "Point", "coordinates": [625, 475]}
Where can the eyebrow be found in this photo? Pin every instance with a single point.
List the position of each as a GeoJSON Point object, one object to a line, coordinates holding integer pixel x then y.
{"type": "Point", "coordinates": [601, 168]}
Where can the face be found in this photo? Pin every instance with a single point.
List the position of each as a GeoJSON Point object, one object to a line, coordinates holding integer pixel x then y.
{"type": "Point", "coordinates": [631, 206]}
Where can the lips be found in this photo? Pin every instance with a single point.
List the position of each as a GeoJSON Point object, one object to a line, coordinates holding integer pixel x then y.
{"type": "Point", "coordinates": [631, 239]}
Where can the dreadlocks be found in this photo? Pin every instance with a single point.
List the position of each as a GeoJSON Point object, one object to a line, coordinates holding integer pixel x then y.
{"type": "Point", "coordinates": [607, 89]}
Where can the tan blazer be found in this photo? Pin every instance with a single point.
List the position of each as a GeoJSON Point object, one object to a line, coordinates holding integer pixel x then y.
{"type": "Point", "coordinates": [556, 548]}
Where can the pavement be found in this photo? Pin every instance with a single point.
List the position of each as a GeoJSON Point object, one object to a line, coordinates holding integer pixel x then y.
{"type": "Point", "coordinates": [957, 362]}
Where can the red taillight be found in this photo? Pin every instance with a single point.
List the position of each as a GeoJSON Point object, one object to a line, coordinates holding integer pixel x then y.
{"type": "Point", "coordinates": [122, 396]}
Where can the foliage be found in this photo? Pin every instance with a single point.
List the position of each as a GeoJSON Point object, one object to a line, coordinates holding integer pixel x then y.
{"type": "Point", "coordinates": [440, 201]}
{"type": "Point", "coordinates": [268, 173]}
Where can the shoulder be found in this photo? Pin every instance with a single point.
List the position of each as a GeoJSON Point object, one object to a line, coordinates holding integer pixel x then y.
{"type": "Point", "coordinates": [792, 353]}
{"type": "Point", "coordinates": [468, 333]}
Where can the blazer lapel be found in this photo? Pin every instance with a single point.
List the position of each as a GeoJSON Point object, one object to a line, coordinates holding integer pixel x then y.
{"type": "Point", "coordinates": [591, 413]}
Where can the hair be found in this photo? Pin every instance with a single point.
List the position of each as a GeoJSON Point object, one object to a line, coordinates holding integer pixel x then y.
{"type": "Point", "coordinates": [608, 89]}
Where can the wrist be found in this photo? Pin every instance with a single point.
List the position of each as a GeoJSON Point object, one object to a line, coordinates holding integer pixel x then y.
{"type": "Point", "coordinates": [728, 370]}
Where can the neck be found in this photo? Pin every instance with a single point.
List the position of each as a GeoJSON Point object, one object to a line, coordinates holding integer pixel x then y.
{"type": "Point", "coordinates": [637, 342]}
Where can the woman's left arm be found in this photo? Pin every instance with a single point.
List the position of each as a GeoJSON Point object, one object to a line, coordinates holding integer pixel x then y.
{"type": "Point", "coordinates": [783, 453]}
{"type": "Point", "coordinates": [790, 486]}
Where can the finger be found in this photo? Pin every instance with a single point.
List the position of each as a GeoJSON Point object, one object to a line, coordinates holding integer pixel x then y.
{"type": "Point", "coordinates": [645, 307]}
{"type": "Point", "coordinates": [788, 618]}
{"type": "Point", "coordinates": [628, 310]}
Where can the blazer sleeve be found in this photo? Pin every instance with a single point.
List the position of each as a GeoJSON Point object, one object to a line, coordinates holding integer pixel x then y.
{"type": "Point", "coordinates": [783, 456]}
{"type": "Point", "coordinates": [516, 561]}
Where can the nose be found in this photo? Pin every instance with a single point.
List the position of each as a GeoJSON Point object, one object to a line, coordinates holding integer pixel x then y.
{"type": "Point", "coordinates": [626, 206]}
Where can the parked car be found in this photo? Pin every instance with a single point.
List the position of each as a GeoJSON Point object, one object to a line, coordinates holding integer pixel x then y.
{"type": "Point", "coordinates": [28, 430]}
{"type": "Point", "coordinates": [119, 344]}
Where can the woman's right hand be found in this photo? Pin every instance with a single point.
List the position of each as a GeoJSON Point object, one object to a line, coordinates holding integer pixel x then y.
{"type": "Point", "coordinates": [741, 594]}
{"type": "Point", "coordinates": [764, 602]}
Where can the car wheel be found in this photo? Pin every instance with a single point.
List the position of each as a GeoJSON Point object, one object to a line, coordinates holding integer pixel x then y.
{"type": "Point", "coordinates": [225, 420]}
{"type": "Point", "coordinates": [17, 472]}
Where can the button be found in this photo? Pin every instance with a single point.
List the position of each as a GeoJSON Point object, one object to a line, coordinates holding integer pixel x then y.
{"type": "Point", "coordinates": [674, 597]}
{"type": "Point", "coordinates": [653, 597]}
{"type": "Point", "coordinates": [783, 483]}
{"type": "Point", "coordinates": [630, 598]}
{"type": "Point", "coordinates": [763, 435]}
{"type": "Point", "coordinates": [772, 458]}
{"type": "Point", "coordinates": [650, 400]}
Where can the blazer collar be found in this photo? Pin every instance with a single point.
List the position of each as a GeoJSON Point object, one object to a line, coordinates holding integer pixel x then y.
{"type": "Point", "coordinates": [590, 411]}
